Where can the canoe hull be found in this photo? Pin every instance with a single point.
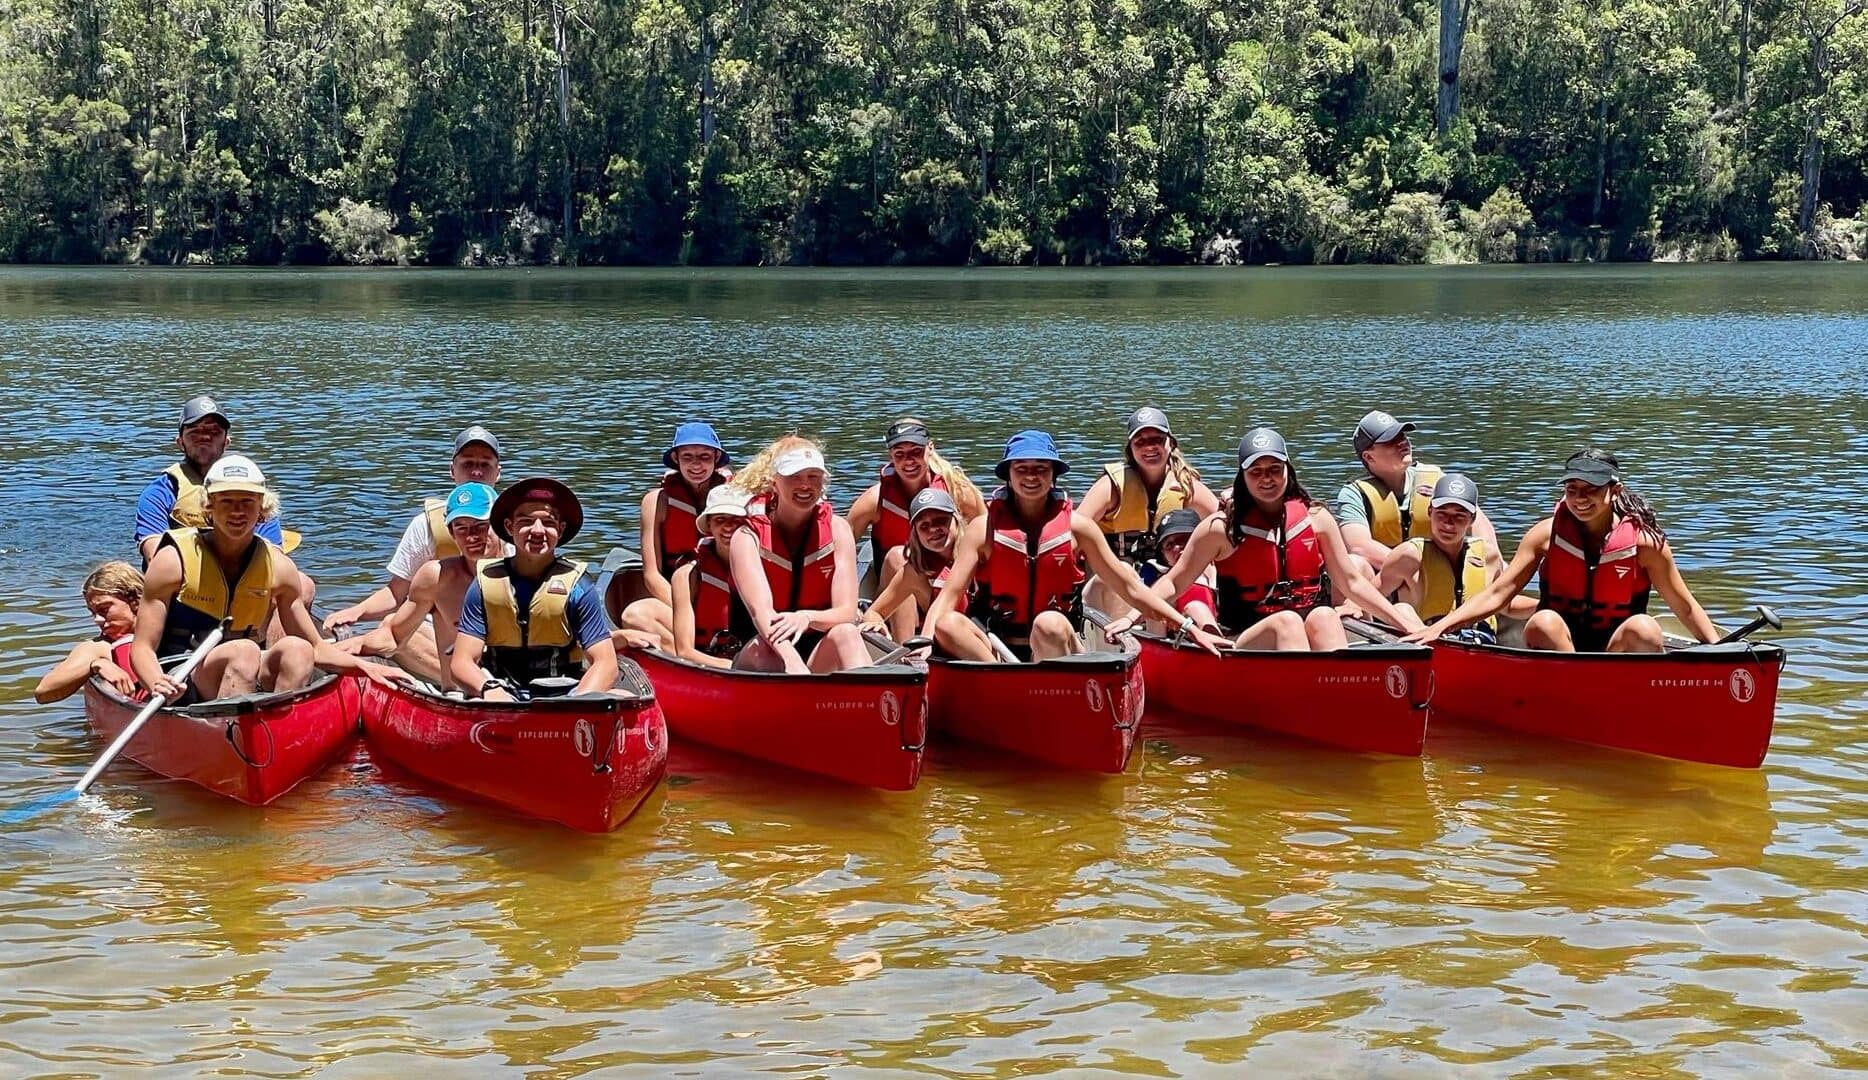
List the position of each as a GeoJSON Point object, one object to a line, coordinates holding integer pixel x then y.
{"type": "Point", "coordinates": [1078, 712]}
{"type": "Point", "coordinates": [582, 762]}
{"type": "Point", "coordinates": [253, 748]}
{"type": "Point", "coordinates": [864, 727]}
{"type": "Point", "coordinates": [1366, 698]}
{"type": "Point", "coordinates": [1714, 704]}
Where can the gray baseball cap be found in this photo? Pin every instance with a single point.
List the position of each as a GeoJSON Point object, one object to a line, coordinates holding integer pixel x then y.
{"type": "Point", "coordinates": [1455, 489]}
{"type": "Point", "coordinates": [476, 434]}
{"type": "Point", "coordinates": [1262, 442]}
{"type": "Point", "coordinates": [1149, 417]}
{"type": "Point", "coordinates": [199, 408]}
{"type": "Point", "coordinates": [931, 498]}
{"type": "Point", "coordinates": [906, 431]}
{"type": "Point", "coordinates": [1379, 427]}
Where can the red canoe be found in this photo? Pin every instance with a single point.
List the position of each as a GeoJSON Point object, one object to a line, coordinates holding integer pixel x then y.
{"type": "Point", "coordinates": [866, 726]}
{"type": "Point", "coordinates": [1371, 698]}
{"type": "Point", "coordinates": [254, 747]}
{"type": "Point", "coordinates": [1711, 703]}
{"type": "Point", "coordinates": [1078, 712]}
{"type": "Point", "coordinates": [586, 761]}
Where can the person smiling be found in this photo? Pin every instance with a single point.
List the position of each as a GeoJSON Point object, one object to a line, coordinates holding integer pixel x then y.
{"type": "Point", "coordinates": [914, 466]}
{"type": "Point", "coordinates": [1020, 566]}
{"type": "Point", "coordinates": [794, 566]}
{"type": "Point", "coordinates": [1436, 574]}
{"type": "Point", "coordinates": [533, 615]}
{"type": "Point", "coordinates": [711, 625]}
{"type": "Point", "coordinates": [177, 498]}
{"type": "Point", "coordinates": [693, 466]}
{"type": "Point", "coordinates": [1597, 558]}
{"type": "Point", "coordinates": [918, 569]}
{"type": "Point", "coordinates": [1274, 552]}
{"type": "Point", "coordinates": [1387, 505]}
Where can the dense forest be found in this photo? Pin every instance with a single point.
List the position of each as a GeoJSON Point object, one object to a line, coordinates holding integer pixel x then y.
{"type": "Point", "coordinates": [931, 131]}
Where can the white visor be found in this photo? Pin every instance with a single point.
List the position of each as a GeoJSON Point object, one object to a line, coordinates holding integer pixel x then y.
{"type": "Point", "coordinates": [793, 462]}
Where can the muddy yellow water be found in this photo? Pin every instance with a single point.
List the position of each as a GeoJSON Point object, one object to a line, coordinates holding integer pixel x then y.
{"type": "Point", "coordinates": [1501, 906]}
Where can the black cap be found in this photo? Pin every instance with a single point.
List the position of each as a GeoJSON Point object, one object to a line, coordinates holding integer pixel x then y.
{"type": "Point", "coordinates": [1455, 489]}
{"type": "Point", "coordinates": [476, 434]}
{"type": "Point", "coordinates": [199, 408]}
{"type": "Point", "coordinates": [1590, 470]}
{"type": "Point", "coordinates": [906, 431]}
{"type": "Point", "coordinates": [1180, 522]}
{"type": "Point", "coordinates": [1379, 427]}
{"type": "Point", "coordinates": [930, 498]}
{"type": "Point", "coordinates": [1262, 442]}
{"type": "Point", "coordinates": [1149, 417]}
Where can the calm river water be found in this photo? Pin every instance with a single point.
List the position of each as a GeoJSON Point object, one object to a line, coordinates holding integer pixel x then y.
{"type": "Point", "coordinates": [1500, 906]}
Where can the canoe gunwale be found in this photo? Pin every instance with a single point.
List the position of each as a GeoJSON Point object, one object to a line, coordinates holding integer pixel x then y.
{"type": "Point", "coordinates": [228, 707]}
{"type": "Point", "coordinates": [1722, 654]}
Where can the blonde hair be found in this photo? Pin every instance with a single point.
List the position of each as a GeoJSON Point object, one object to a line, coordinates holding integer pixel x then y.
{"type": "Point", "coordinates": [756, 477]}
{"type": "Point", "coordinates": [115, 578]}
{"type": "Point", "coordinates": [966, 494]}
{"type": "Point", "coordinates": [1179, 469]}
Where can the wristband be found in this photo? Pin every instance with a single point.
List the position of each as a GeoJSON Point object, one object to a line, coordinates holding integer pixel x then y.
{"type": "Point", "coordinates": [488, 685]}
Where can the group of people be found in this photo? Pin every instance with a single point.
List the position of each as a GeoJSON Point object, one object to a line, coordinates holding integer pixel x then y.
{"type": "Point", "coordinates": [752, 567]}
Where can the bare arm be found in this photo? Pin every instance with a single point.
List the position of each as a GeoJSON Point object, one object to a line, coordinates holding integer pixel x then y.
{"type": "Point", "coordinates": [69, 675]}
{"type": "Point", "coordinates": [898, 590]}
{"type": "Point", "coordinates": [600, 668]}
{"type": "Point", "coordinates": [161, 582]}
{"type": "Point", "coordinates": [865, 510]}
{"type": "Point", "coordinates": [1206, 547]}
{"type": "Point", "coordinates": [147, 545]}
{"type": "Point", "coordinates": [651, 539]}
{"type": "Point", "coordinates": [1402, 573]}
{"type": "Point", "coordinates": [682, 587]}
{"type": "Point", "coordinates": [1354, 585]}
{"type": "Point", "coordinates": [469, 677]}
{"type": "Point", "coordinates": [1121, 576]}
{"type": "Point", "coordinates": [1359, 541]}
{"type": "Point", "coordinates": [749, 578]}
{"type": "Point", "coordinates": [1482, 528]}
{"type": "Point", "coordinates": [1495, 597]}
{"type": "Point", "coordinates": [1097, 501]}
{"type": "Point", "coordinates": [1201, 499]}
{"type": "Point", "coordinates": [966, 552]}
{"type": "Point", "coordinates": [1657, 560]}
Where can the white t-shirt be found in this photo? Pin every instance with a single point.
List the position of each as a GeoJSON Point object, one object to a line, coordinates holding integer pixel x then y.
{"type": "Point", "coordinates": [417, 548]}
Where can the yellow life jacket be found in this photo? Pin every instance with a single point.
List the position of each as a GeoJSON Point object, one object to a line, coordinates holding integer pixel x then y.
{"type": "Point", "coordinates": [1440, 590]}
{"type": "Point", "coordinates": [206, 597]}
{"type": "Point", "coordinates": [540, 641]}
{"type": "Point", "coordinates": [1388, 524]}
{"type": "Point", "coordinates": [191, 498]}
{"type": "Point", "coordinates": [1131, 524]}
{"type": "Point", "coordinates": [435, 510]}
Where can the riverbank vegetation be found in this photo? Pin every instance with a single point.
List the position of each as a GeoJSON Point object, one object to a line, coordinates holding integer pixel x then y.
{"type": "Point", "coordinates": [931, 131]}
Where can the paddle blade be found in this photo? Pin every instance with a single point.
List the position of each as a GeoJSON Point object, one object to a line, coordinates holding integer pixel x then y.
{"type": "Point", "coordinates": [19, 815]}
{"type": "Point", "coordinates": [1770, 618]}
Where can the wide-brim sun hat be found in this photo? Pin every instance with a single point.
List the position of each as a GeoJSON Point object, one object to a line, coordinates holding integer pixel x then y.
{"type": "Point", "coordinates": [724, 500]}
{"type": "Point", "coordinates": [1030, 445]}
{"type": "Point", "coordinates": [695, 433]}
{"type": "Point", "coordinates": [539, 489]}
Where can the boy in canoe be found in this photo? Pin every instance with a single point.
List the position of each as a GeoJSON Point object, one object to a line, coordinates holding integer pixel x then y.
{"type": "Point", "coordinates": [1596, 557]}
{"type": "Point", "coordinates": [1387, 505]}
{"type": "Point", "coordinates": [226, 571]}
{"type": "Point", "coordinates": [177, 499]}
{"type": "Point", "coordinates": [1434, 575]}
{"type": "Point", "coordinates": [694, 466]}
{"type": "Point", "coordinates": [533, 614]}
{"type": "Point", "coordinates": [439, 587]}
{"type": "Point", "coordinates": [425, 539]}
{"type": "Point", "coordinates": [1023, 561]}
{"type": "Point", "coordinates": [112, 592]}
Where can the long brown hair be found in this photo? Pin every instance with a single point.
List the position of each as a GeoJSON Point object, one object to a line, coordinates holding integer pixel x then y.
{"type": "Point", "coordinates": [1242, 501]}
{"type": "Point", "coordinates": [1626, 502]}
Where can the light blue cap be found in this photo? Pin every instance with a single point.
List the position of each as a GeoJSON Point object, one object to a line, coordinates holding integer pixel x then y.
{"type": "Point", "coordinates": [469, 500]}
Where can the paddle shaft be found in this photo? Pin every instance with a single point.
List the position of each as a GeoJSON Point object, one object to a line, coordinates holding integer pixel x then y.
{"type": "Point", "coordinates": [1766, 617]}
{"type": "Point", "coordinates": [129, 731]}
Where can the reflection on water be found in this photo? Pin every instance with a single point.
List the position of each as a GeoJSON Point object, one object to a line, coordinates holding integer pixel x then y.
{"type": "Point", "coordinates": [1502, 903]}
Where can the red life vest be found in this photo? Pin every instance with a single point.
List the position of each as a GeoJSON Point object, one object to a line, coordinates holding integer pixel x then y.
{"type": "Point", "coordinates": [120, 656]}
{"type": "Point", "coordinates": [1600, 589]}
{"type": "Point", "coordinates": [800, 578]}
{"type": "Point", "coordinates": [719, 617]}
{"type": "Point", "coordinates": [680, 505]}
{"type": "Point", "coordinates": [891, 528]}
{"type": "Point", "coordinates": [1024, 573]}
{"type": "Point", "coordinates": [1272, 570]}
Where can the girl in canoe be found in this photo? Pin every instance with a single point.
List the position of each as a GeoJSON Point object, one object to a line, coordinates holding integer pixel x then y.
{"type": "Point", "coordinates": [914, 466]}
{"type": "Point", "coordinates": [1171, 538]}
{"type": "Point", "coordinates": [1274, 552]}
{"type": "Point", "coordinates": [711, 626]}
{"type": "Point", "coordinates": [693, 465]}
{"type": "Point", "coordinates": [918, 569]}
{"type": "Point", "coordinates": [794, 567]}
{"type": "Point", "coordinates": [1129, 499]}
{"type": "Point", "coordinates": [1020, 565]}
{"type": "Point", "coordinates": [112, 592]}
{"type": "Point", "coordinates": [1596, 558]}
{"type": "Point", "coordinates": [1435, 574]}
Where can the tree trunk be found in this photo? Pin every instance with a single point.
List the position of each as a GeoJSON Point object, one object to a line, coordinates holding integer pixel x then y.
{"type": "Point", "coordinates": [1453, 16]}
{"type": "Point", "coordinates": [1812, 181]}
{"type": "Point", "coordinates": [559, 37]}
{"type": "Point", "coordinates": [1744, 53]}
{"type": "Point", "coordinates": [1602, 132]}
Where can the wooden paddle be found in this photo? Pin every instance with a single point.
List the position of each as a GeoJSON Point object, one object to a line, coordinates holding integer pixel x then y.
{"type": "Point", "coordinates": [123, 738]}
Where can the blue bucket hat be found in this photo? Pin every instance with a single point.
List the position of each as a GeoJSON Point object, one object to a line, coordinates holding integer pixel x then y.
{"type": "Point", "coordinates": [1030, 445]}
{"type": "Point", "coordinates": [473, 501]}
{"type": "Point", "coordinates": [694, 433]}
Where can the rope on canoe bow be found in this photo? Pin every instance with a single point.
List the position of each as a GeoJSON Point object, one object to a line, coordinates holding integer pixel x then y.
{"type": "Point", "coordinates": [271, 746]}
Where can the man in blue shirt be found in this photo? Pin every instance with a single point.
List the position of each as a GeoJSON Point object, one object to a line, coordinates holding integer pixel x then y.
{"type": "Point", "coordinates": [533, 615]}
{"type": "Point", "coordinates": [177, 499]}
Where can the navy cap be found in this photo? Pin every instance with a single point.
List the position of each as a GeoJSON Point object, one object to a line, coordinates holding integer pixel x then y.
{"type": "Point", "coordinates": [906, 431]}
{"type": "Point", "coordinates": [1379, 427]}
{"type": "Point", "coordinates": [1180, 522]}
{"type": "Point", "coordinates": [1148, 417]}
{"type": "Point", "coordinates": [1455, 489]}
{"type": "Point", "coordinates": [199, 408]}
{"type": "Point", "coordinates": [476, 434]}
{"type": "Point", "coordinates": [695, 433]}
{"type": "Point", "coordinates": [1030, 445]}
{"type": "Point", "coordinates": [1262, 442]}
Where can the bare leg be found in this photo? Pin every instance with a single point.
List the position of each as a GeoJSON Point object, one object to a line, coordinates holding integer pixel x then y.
{"type": "Point", "coordinates": [759, 656]}
{"type": "Point", "coordinates": [1200, 613]}
{"type": "Point", "coordinates": [1283, 631]}
{"type": "Point", "coordinates": [650, 616]}
{"type": "Point", "coordinates": [1102, 598]}
{"type": "Point", "coordinates": [230, 668]}
{"type": "Point", "coordinates": [1640, 634]}
{"type": "Point", "coordinates": [286, 666]}
{"type": "Point", "coordinates": [1548, 631]}
{"type": "Point", "coordinates": [1052, 635]}
{"type": "Point", "coordinates": [841, 650]}
{"type": "Point", "coordinates": [419, 656]}
{"type": "Point", "coordinates": [961, 637]}
{"type": "Point", "coordinates": [1324, 629]}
